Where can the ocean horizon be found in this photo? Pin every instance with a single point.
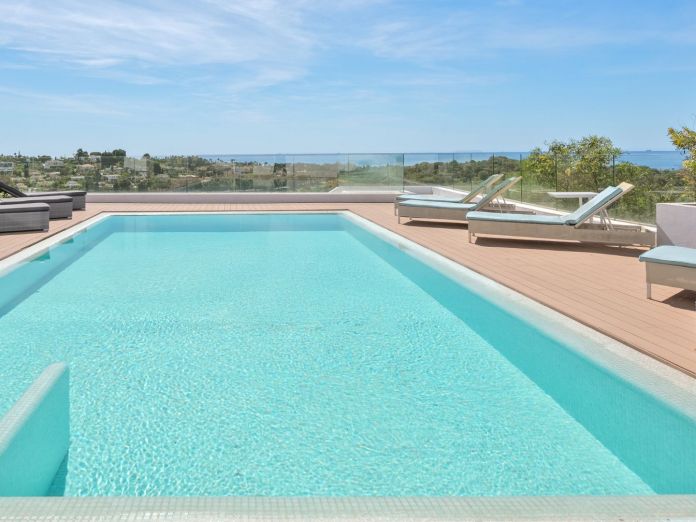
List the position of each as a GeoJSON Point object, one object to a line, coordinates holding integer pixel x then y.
{"type": "Point", "coordinates": [657, 159]}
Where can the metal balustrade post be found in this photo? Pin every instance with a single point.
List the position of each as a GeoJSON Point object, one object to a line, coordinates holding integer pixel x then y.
{"type": "Point", "coordinates": [522, 176]}
{"type": "Point", "coordinates": [471, 178]}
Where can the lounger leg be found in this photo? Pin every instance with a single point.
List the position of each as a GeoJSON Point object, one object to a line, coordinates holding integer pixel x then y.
{"type": "Point", "coordinates": [648, 290]}
{"type": "Point", "coordinates": [398, 219]}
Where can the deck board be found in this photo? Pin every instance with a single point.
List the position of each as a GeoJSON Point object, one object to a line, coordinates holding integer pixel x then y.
{"type": "Point", "coordinates": [602, 287]}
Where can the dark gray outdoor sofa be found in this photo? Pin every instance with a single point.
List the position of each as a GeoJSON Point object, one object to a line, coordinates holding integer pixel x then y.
{"type": "Point", "coordinates": [24, 217]}
{"type": "Point", "coordinates": [79, 197]}
{"type": "Point", "coordinates": [60, 206]}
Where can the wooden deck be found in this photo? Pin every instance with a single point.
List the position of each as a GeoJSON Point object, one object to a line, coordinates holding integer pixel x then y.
{"type": "Point", "coordinates": [602, 287]}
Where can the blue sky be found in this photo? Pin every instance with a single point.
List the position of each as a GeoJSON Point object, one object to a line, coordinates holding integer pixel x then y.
{"type": "Point", "coordinates": [266, 76]}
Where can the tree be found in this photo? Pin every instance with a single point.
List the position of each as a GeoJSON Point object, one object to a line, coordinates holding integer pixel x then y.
{"type": "Point", "coordinates": [684, 139]}
{"type": "Point", "coordinates": [593, 155]}
{"type": "Point", "coordinates": [582, 164]}
{"type": "Point", "coordinates": [542, 166]}
{"type": "Point", "coordinates": [280, 169]}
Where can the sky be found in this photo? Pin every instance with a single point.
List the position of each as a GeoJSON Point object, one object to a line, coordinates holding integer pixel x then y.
{"type": "Point", "coordinates": [301, 76]}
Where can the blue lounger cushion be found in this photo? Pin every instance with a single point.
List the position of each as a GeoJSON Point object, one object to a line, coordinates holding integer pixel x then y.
{"type": "Point", "coordinates": [516, 218]}
{"type": "Point", "coordinates": [592, 206]}
{"type": "Point", "coordinates": [436, 204]}
{"type": "Point", "coordinates": [671, 255]}
{"type": "Point", "coordinates": [578, 216]}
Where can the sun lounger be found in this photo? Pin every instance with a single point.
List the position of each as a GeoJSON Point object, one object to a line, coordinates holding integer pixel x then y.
{"type": "Point", "coordinates": [484, 186]}
{"type": "Point", "coordinates": [670, 266]}
{"type": "Point", "coordinates": [416, 209]}
{"type": "Point", "coordinates": [78, 196]}
{"type": "Point", "coordinates": [24, 217]}
{"type": "Point", "coordinates": [576, 226]}
{"type": "Point", "coordinates": [60, 206]}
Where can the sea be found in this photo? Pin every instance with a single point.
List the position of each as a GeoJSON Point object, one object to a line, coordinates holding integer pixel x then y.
{"type": "Point", "coordinates": [657, 159]}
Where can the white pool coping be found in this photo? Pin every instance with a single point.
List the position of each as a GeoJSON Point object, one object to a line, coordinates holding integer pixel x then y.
{"type": "Point", "coordinates": [347, 196]}
{"type": "Point", "coordinates": [668, 384]}
{"type": "Point", "coordinates": [382, 509]}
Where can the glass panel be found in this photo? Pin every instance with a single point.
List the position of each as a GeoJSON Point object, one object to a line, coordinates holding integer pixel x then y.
{"type": "Point", "coordinates": [445, 169]}
{"type": "Point", "coordinates": [420, 169]}
{"type": "Point", "coordinates": [509, 165]}
{"type": "Point", "coordinates": [315, 172]}
{"type": "Point", "coordinates": [381, 172]}
{"type": "Point", "coordinates": [539, 177]}
{"type": "Point", "coordinates": [658, 176]}
{"type": "Point", "coordinates": [219, 178]}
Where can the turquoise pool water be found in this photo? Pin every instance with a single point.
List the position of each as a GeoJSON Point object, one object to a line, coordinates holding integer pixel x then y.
{"type": "Point", "coordinates": [301, 355]}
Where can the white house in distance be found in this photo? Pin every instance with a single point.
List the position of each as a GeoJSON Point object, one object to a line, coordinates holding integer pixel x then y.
{"type": "Point", "coordinates": [139, 166]}
{"type": "Point", "coordinates": [86, 169]}
{"type": "Point", "coordinates": [6, 167]}
{"type": "Point", "coordinates": [53, 164]}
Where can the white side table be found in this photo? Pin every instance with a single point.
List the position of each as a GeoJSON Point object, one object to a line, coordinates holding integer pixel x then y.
{"type": "Point", "coordinates": [583, 197]}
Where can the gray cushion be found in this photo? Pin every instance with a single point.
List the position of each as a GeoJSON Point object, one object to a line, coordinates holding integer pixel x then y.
{"type": "Point", "coordinates": [592, 206]}
{"type": "Point", "coordinates": [671, 255]}
{"type": "Point", "coordinates": [23, 207]}
{"type": "Point", "coordinates": [70, 193]}
{"type": "Point", "coordinates": [516, 218]}
{"type": "Point", "coordinates": [37, 199]}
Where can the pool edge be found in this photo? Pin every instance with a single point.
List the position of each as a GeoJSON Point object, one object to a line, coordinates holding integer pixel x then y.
{"type": "Point", "coordinates": [661, 507]}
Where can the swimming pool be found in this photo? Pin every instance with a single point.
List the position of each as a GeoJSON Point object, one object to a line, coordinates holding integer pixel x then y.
{"type": "Point", "coordinates": [280, 354]}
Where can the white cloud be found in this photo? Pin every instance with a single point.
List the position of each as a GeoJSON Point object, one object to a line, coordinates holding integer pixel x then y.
{"type": "Point", "coordinates": [255, 44]}
{"type": "Point", "coordinates": [439, 36]}
{"type": "Point", "coordinates": [113, 34]}
{"type": "Point", "coordinates": [413, 39]}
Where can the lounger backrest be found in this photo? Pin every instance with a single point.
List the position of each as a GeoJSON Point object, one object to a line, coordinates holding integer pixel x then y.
{"type": "Point", "coordinates": [4, 187]}
{"type": "Point", "coordinates": [496, 191]}
{"type": "Point", "coordinates": [484, 185]}
{"type": "Point", "coordinates": [596, 204]}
